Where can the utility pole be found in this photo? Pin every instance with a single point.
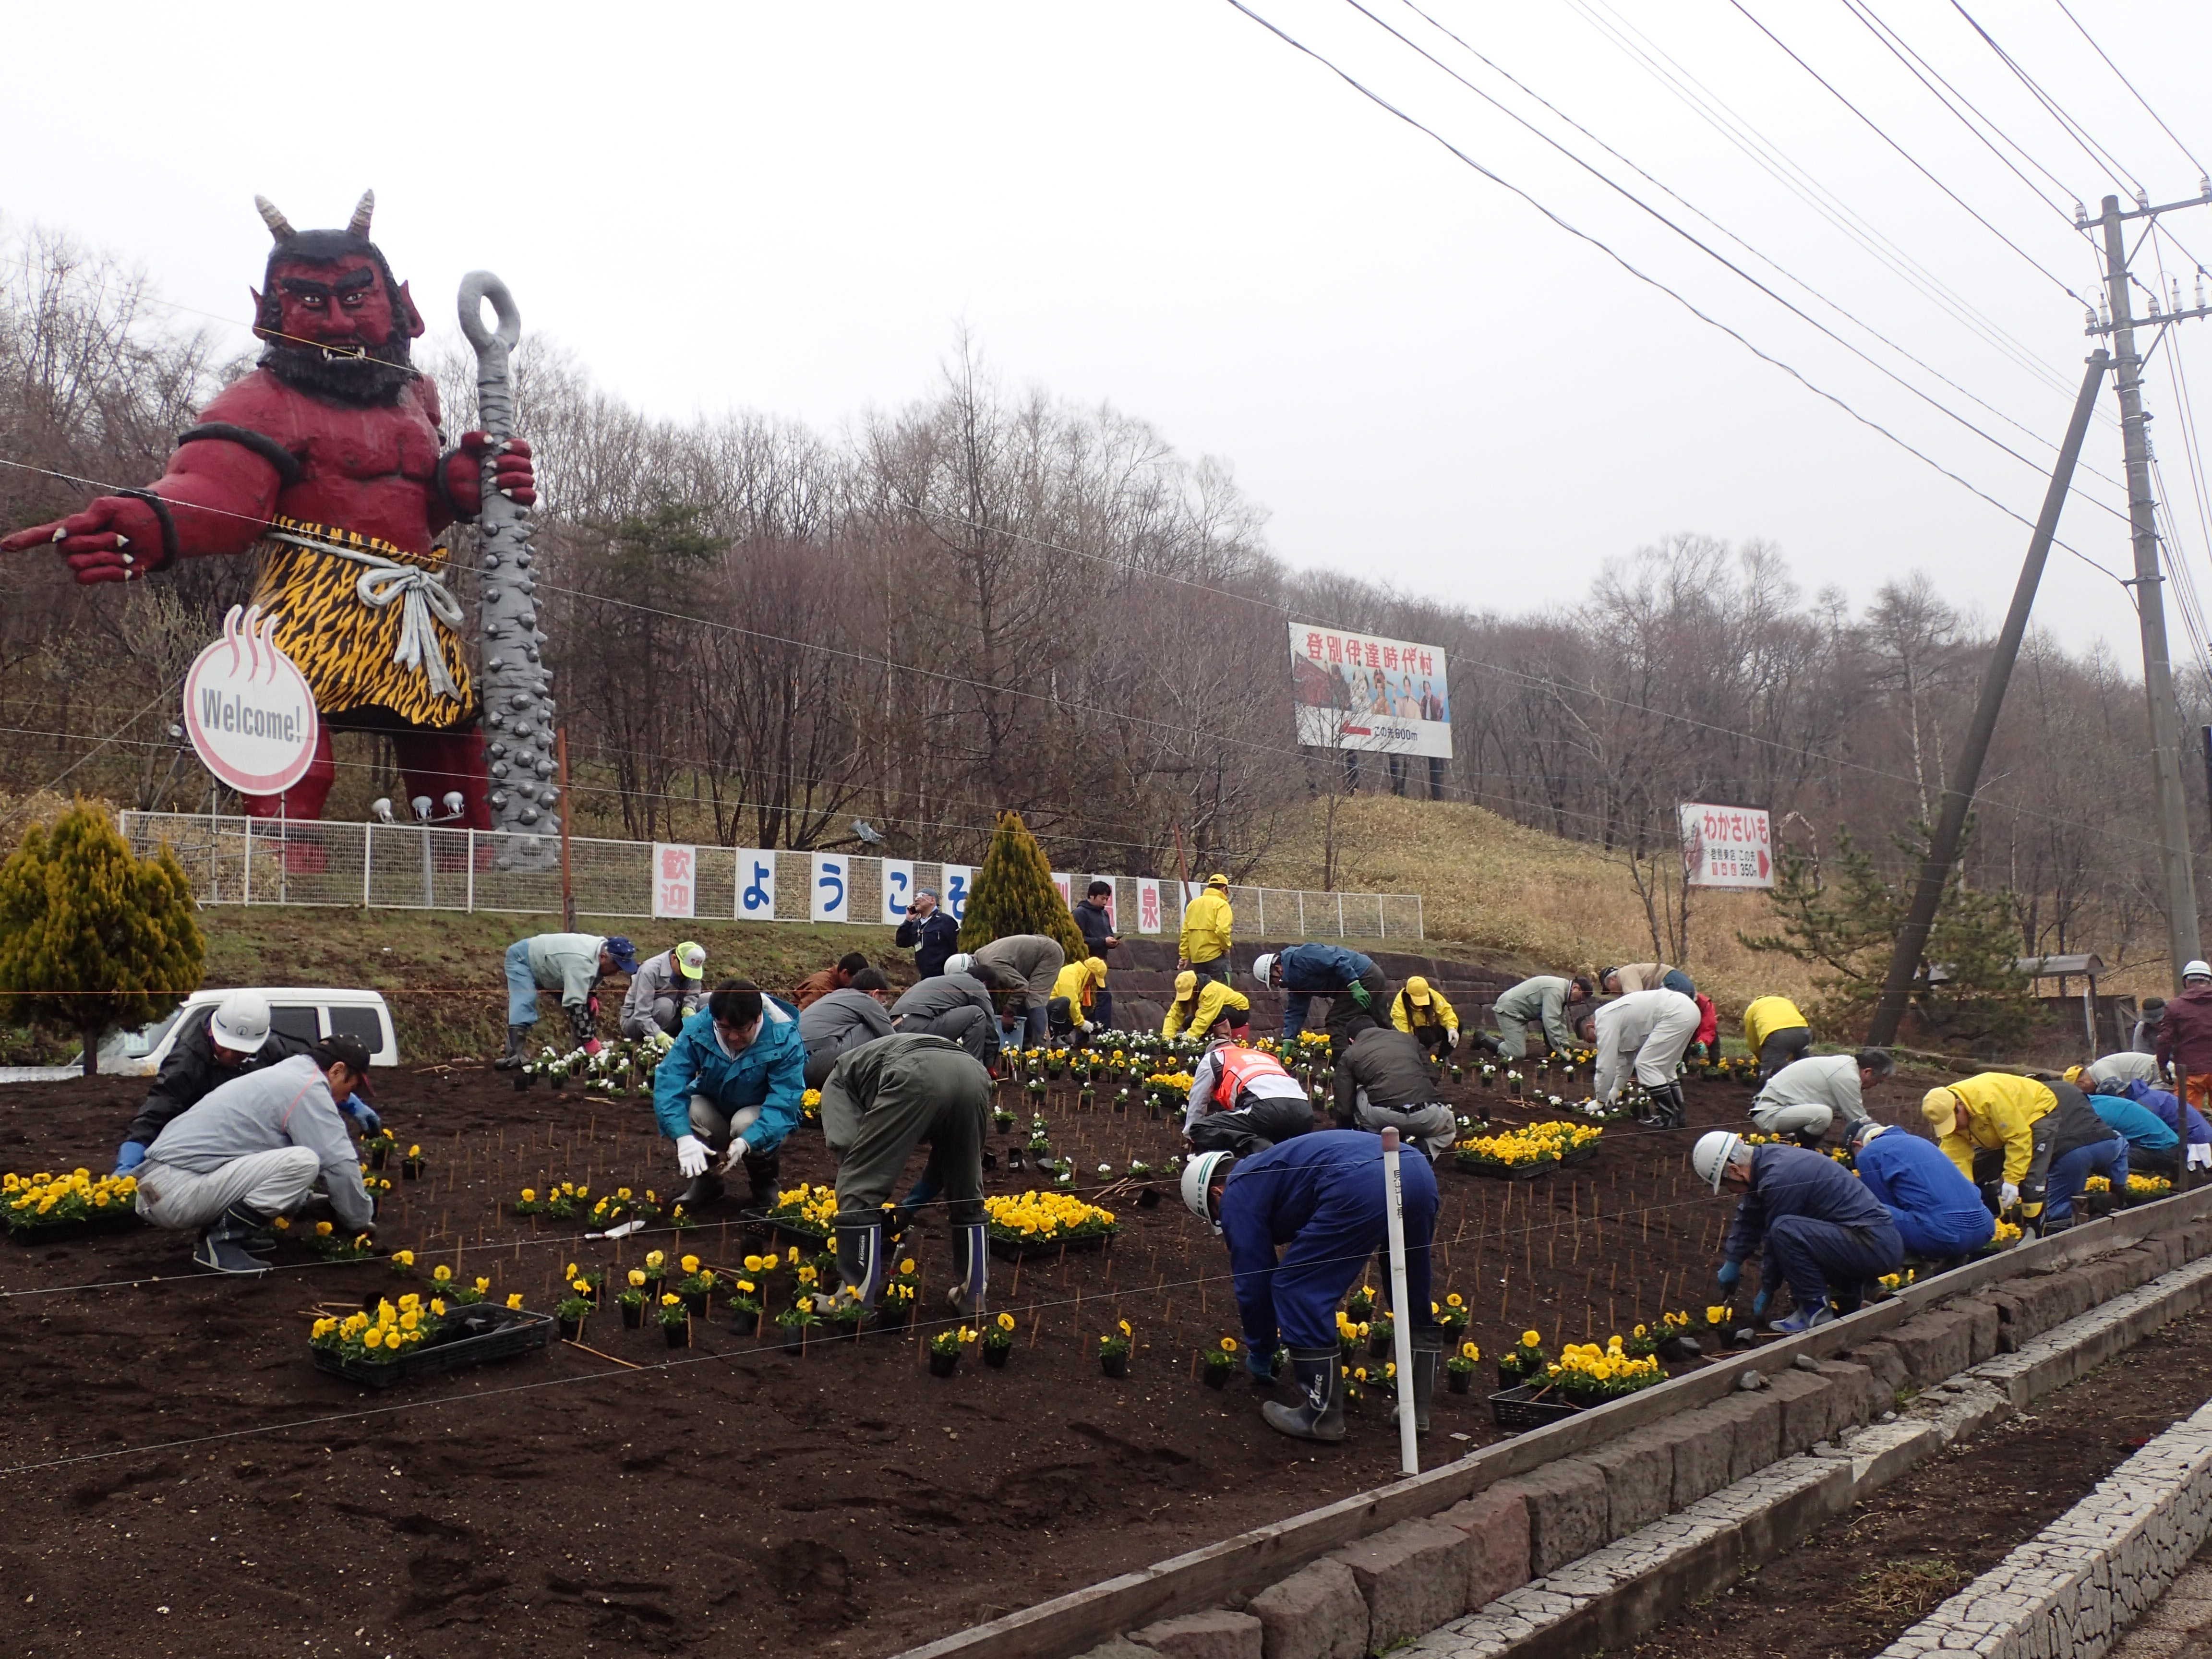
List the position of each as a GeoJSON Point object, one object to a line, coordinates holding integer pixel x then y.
{"type": "Point", "coordinates": [2173, 812]}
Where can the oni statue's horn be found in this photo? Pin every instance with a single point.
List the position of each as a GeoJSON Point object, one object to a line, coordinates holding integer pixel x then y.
{"type": "Point", "coordinates": [358, 225]}
{"type": "Point", "coordinates": [280, 228]}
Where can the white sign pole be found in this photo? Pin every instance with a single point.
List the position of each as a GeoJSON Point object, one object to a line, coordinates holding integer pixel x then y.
{"type": "Point", "coordinates": [1401, 1317]}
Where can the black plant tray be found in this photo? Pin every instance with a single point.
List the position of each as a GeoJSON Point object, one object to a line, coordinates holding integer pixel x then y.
{"type": "Point", "coordinates": [1504, 1172]}
{"type": "Point", "coordinates": [481, 1332]}
{"type": "Point", "coordinates": [125, 1220]}
{"type": "Point", "coordinates": [812, 1242]}
{"type": "Point", "coordinates": [1518, 1408]}
{"type": "Point", "coordinates": [1582, 1154]}
{"type": "Point", "coordinates": [1016, 1249]}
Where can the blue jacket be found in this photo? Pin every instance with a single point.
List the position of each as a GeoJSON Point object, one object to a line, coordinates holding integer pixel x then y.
{"type": "Point", "coordinates": [1938, 1211]}
{"type": "Point", "coordinates": [2145, 1129]}
{"type": "Point", "coordinates": [771, 1074]}
{"type": "Point", "coordinates": [1791, 1181]}
{"type": "Point", "coordinates": [931, 938]}
{"type": "Point", "coordinates": [1312, 970]}
{"type": "Point", "coordinates": [2169, 1110]}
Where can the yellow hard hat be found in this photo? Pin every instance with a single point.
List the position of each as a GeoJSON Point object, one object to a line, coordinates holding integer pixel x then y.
{"type": "Point", "coordinates": [1941, 1107]}
{"type": "Point", "coordinates": [1417, 991]}
{"type": "Point", "coordinates": [1186, 983]}
{"type": "Point", "coordinates": [1217, 880]}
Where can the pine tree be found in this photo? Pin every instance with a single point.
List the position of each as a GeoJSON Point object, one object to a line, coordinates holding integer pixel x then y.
{"type": "Point", "coordinates": [1846, 919]}
{"type": "Point", "coordinates": [1013, 893]}
{"type": "Point", "coordinates": [91, 937]}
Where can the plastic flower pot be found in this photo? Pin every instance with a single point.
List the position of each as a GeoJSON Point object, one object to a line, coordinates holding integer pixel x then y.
{"type": "Point", "coordinates": [376, 1158]}
{"type": "Point", "coordinates": [943, 1364]}
{"type": "Point", "coordinates": [1458, 1382]}
{"type": "Point", "coordinates": [410, 1168]}
{"type": "Point", "coordinates": [1380, 1345]}
{"type": "Point", "coordinates": [632, 1318]}
{"type": "Point", "coordinates": [1216, 1376]}
{"type": "Point", "coordinates": [571, 1329]}
{"type": "Point", "coordinates": [694, 1303]}
{"type": "Point", "coordinates": [1114, 1365]}
{"type": "Point", "coordinates": [996, 1357]}
{"type": "Point", "coordinates": [794, 1339]}
{"type": "Point", "coordinates": [1149, 1199]}
{"type": "Point", "coordinates": [652, 1288]}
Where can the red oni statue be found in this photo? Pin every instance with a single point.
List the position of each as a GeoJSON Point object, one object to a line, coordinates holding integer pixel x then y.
{"type": "Point", "coordinates": [330, 461]}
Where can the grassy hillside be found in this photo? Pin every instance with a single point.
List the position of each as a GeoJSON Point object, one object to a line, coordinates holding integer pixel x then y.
{"type": "Point", "coordinates": [1531, 899]}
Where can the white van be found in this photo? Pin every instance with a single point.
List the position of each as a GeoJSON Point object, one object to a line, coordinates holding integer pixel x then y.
{"type": "Point", "coordinates": [308, 1012]}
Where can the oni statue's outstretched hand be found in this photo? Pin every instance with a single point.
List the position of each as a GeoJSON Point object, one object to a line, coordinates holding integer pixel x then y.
{"type": "Point", "coordinates": [115, 538]}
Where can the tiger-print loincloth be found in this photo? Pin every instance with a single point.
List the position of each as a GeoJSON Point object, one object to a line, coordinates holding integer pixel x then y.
{"type": "Point", "coordinates": [345, 646]}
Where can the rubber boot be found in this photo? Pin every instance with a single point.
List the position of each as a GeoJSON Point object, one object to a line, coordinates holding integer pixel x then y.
{"type": "Point", "coordinates": [707, 1187]}
{"type": "Point", "coordinates": [516, 1036]}
{"type": "Point", "coordinates": [1670, 1111]}
{"type": "Point", "coordinates": [1810, 1140]}
{"type": "Point", "coordinates": [1428, 1354]}
{"type": "Point", "coordinates": [762, 1171]}
{"type": "Point", "coordinates": [972, 1269]}
{"type": "Point", "coordinates": [860, 1260]}
{"type": "Point", "coordinates": [221, 1247]}
{"type": "Point", "coordinates": [1319, 1414]}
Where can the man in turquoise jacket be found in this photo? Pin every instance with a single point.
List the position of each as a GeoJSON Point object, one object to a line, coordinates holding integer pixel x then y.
{"type": "Point", "coordinates": [732, 1086]}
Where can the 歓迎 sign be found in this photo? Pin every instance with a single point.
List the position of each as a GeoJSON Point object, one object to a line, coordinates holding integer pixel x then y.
{"type": "Point", "coordinates": [1727, 846]}
{"type": "Point", "coordinates": [248, 709]}
{"type": "Point", "coordinates": [675, 881]}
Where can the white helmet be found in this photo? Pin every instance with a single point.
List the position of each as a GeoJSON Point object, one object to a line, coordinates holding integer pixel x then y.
{"type": "Point", "coordinates": [1710, 1155]}
{"type": "Point", "coordinates": [959, 962]}
{"type": "Point", "coordinates": [1197, 1176]}
{"type": "Point", "coordinates": [1262, 965]}
{"type": "Point", "coordinates": [241, 1022]}
{"type": "Point", "coordinates": [2199, 968]}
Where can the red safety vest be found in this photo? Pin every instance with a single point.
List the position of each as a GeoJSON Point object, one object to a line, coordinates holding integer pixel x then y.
{"type": "Point", "coordinates": [1239, 1066]}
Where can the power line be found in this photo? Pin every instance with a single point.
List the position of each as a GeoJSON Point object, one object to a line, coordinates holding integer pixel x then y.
{"type": "Point", "coordinates": [2130, 85]}
{"type": "Point", "coordinates": [2096, 153]}
{"type": "Point", "coordinates": [1875, 127]}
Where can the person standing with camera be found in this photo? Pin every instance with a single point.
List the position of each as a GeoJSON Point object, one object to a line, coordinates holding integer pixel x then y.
{"type": "Point", "coordinates": [929, 933]}
{"type": "Point", "coordinates": [1094, 920]}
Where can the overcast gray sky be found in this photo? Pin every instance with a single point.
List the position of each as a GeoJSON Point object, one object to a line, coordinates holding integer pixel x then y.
{"type": "Point", "coordinates": [1159, 205]}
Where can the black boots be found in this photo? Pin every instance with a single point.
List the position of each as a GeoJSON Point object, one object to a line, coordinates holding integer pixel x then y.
{"type": "Point", "coordinates": [1319, 1414]}
{"type": "Point", "coordinates": [222, 1248]}
{"type": "Point", "coordinates": [1810, 1140]}
{"type": "Point", "coordinates": [972, 1269]}
{"type": "Point", "coordinates": [1669, 1110]}
{"type": "Point", "coordinates": [516, 1036]}
{"type": "Point", "coordinates": [762, 1175]}
{"type": "Point", "coordinates": [707, 1187]}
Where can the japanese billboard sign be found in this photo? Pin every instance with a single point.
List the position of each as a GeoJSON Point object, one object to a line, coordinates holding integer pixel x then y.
{"type": "Point", "coordinates": [957, 878]}
{"type": "Point", "coordinates": [898, 888]}
{"type": "Point", "coordinates": [675, 881]}
{"type": "Point", "coordinates": [755, 884]}
{"type": "Point", "coordinates": [832, 885]}
{"type": "Point", "coordinates": [1726, 847]}
{"type": "Point", "coordinates": [1148, 905]}
{"type": "Point", "coordinates": [1363, 692]}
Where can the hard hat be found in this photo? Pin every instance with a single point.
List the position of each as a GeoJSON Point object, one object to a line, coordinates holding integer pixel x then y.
{"type": "Point", "coordinates": [1417, 991]}
{"type": "Point", "coordinates": [1941, 1107]}
{"type": "Point", "coordinates": [1186, 984]}
{"type": "Point", "coordinates": [1709, 1157]}
{"type": "Point", "coordinates": [1197, 1176]}
{"type": "Point", "coordinates": [2199, 968]}
{"type": "Point", "coordinates": [241, 1022]}
{"type": "Point", "coordinates": [691, 959]}
{"type": "Point", "coordinates": [959, 962]}
{"type": "Point", "coordinates": [1217, 880]}
{"type": "Point", "coordinates": [1263, 966]}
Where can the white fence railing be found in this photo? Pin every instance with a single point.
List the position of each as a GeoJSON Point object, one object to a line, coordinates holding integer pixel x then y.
{"type": "Point", "coordinates": [402, 866]}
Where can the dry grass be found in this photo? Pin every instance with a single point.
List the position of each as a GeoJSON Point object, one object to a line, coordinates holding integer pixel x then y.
{"type": "Point", "coordinates": [1537, 901]}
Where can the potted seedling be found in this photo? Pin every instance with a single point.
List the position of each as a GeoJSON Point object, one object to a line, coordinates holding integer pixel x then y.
{"type": "Point", "coordinates": [847, 1311]}
{"type": "Point", "coordinates": [1114, 1351]}
{"type": "Point", "coordinates": [378, 1147]}
{"type": "Point", "coordinates": [656, 1268]}
{"type": "Point", "coordinates": [1459, 1370]}
{"type": "Point", "coordinates": [899, 1291]}
{"type": "Point", "coordinates": [794, 1319]}
{"type": "Point", "coordinates": [675, 1321]}
{"type": "Point", "coordinates": [745, 1302]}
{"type": "Point", "coordinates": [571, 1313]}
{"type": "Point", "coordinates": [1361, 1307]}
{"type": "Point", "coordinates": [1452, 1315]}
{"type": "Point", "coordinates": [945, 1348]}
{"type": "Point", "coordinates": [1002, 1119]}
{"type": "Point", "coordinates": [1524, 1362]}
{"type": "Point", "coordinates": [998, 1342]}
{"type": "Point", "coordinates": [1220, 1362]}
{"type": "Point", "coordinates": [1381, 1336]}
{"type": "Point", "coordinates": [696, 1286]}
{"type": "Point", "coordinates": [411, 1166]}
{"type": "Point", "coordinates": [402, 1263]}
{"type": "Point", "coordinates": [633, 1300]}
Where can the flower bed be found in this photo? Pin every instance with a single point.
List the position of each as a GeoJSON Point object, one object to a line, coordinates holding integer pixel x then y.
{"type": "Point", "coordinates": [42, 1208]}
{"type": "Point", "coordinates": [1037, 1222]}
{"type": "Point", "coordinates": [1510, 1154]}
{"type": "Point", "coordinates": [408, 1339]}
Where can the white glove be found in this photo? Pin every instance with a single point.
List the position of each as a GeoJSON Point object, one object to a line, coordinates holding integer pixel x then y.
{"type": "Point", "coordinates": [2200, 1158]}
{"type": "Point", "coordinates": [1088, 1028]}
{"type": "Point", "coordinates": [691, 1157]}
{"type": "Point", "coordinates": [1451, 1039]}
{"type": "Point", "coordinates": [2007, 1195]}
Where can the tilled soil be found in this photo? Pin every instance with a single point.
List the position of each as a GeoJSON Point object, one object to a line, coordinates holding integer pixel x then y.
{"type": "Point", "coordinates": [179, 1478]}
{"type": "Point", "coordinates": [1873, 1573]}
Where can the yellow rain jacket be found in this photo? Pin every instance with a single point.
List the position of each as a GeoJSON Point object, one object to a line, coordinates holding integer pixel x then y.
{"type": "Point", "coordinates": [1767, 1015]}
{"type": "Point", "coordinates": [1406, 1014]}
{"type": "Point", "coordinates": [1206, 924]}
{"type": "Point", "coordinates": [2002, 1111]}
{"type": "Point", "coordinates": [1078, 982]}
{"type": "Point", "coordinates": [1214, 999]}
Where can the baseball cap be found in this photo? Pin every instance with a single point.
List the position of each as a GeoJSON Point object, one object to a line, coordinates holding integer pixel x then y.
{"type": "Point", "coordinates": [1941, 1107]}
{"type": "Point", "coordinates": [1417, 989]}
{"type": "Point", "coordinates": [341, 1048]}
{"type": "Point", "coordinates": [691, 959]}
{"type": "Point", "coordinates": [623, 953]}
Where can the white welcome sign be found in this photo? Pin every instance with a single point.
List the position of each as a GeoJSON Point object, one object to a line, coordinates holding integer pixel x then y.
{"type": "Point", "coordinates": [248, 709]}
